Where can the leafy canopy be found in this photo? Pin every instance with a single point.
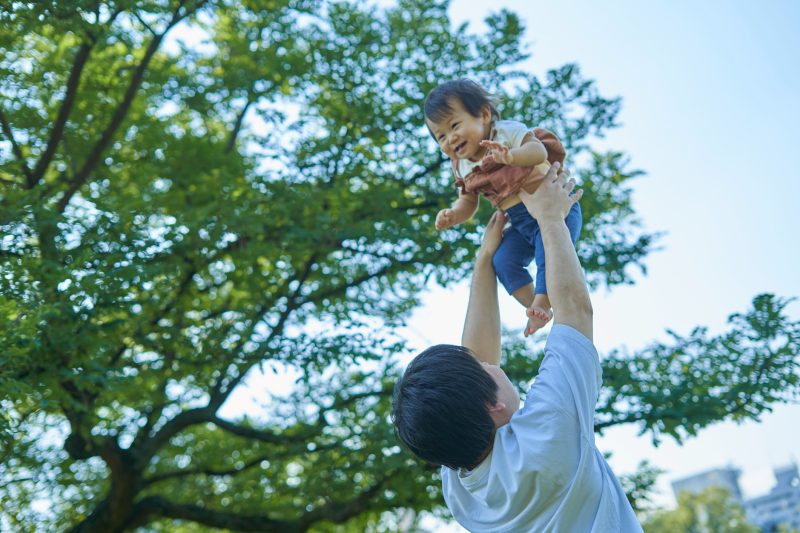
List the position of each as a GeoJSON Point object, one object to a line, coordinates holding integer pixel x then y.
{"type": "Point", "coordinates": [196, 193]}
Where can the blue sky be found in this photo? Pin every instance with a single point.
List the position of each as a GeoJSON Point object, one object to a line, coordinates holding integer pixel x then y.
{"type": "Point", "coordinates": [711, 107]}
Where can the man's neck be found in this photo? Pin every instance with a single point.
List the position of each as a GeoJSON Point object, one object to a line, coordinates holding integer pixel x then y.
{"type": "Point", "coordinates": [484, 455]}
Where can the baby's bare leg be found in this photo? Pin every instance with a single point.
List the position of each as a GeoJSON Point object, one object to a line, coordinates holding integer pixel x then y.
{"type": "Point", "coordinates": [539, 314]}
{"type": "Point", "coordinates": [537, 306]}
{"type": "Point", "coordinates": [524, 295]}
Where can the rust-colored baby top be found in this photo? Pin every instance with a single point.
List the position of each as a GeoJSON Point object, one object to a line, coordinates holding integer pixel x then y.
{"type": "Point", "coordinates": [501, 183]}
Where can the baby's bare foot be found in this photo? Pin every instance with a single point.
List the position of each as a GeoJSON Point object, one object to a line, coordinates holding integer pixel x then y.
{"type": "Point", "coordinates": [537, 318]}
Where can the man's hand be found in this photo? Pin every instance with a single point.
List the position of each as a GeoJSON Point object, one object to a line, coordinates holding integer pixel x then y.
{"type": "Point", "coordinates": [445, 219]}
{"type": "Point", "coordinates": [566, 286]}
{"type": "Point", "coordinates": [497, 153]}
{"type": "Point", "coordinates": [493, 234]}
{"type": "Point", "coordinates": [552, 200]}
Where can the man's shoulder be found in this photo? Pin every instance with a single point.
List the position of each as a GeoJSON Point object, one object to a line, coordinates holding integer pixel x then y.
{"type": "Point", "coordinates": [563, 336]}
{"type": "Point", "coordinates": [571, 358]}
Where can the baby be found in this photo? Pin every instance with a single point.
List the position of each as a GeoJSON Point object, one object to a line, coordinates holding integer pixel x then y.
{"type": "Point", "coordinates": [496, 158]}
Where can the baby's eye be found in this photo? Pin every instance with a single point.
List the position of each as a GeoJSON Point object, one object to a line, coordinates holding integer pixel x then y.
{"type": "Point", "coordinates": [455, 124]}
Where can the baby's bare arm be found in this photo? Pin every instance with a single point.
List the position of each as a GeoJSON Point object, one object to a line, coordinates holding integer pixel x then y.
{"type": "Point", "coordinates": [462, 210]}
{"type": "Point", "coordinates": [465, 206]}
{"type": "Point", "coordinates": [529, 154]}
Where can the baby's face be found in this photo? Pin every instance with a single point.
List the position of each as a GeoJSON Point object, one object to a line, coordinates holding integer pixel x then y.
{"type": "Point", "coordinates": [459, 134]}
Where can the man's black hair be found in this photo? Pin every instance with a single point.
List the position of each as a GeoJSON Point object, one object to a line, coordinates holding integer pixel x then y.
{"type": "Point", "coordinates": [440, 407]}
{"type": "Point", "coordinates": [471, 95]}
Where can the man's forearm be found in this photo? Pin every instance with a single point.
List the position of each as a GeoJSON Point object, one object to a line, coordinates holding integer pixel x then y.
{"type": "Point", "coordinates": [482, 325]}
{"type": "Point", "coordinates": [566, 286]}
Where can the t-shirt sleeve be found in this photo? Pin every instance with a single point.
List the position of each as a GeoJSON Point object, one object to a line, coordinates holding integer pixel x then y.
{"type": "Point", "coordinates": [569, 378]}
{"type": "Point", "coordinates": [511, 133]}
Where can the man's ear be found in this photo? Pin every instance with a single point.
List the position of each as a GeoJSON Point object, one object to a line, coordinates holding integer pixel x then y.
{"type": "Point", "coordinates": [499, 406]}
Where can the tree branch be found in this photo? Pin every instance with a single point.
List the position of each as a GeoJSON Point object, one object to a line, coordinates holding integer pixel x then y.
{"type": "Point", "coordinates": [333, 291]}
{"type": "Point", "coordinates": [145, 24]}
{"type": "Point", "coordinates": [63, 114]}
{"type": "Point", "coordinates": [78, 445]}
{"type": "Point", "coordinates": [166, 308]}
{"type": "Point", "coordinates": [154, 507]}
{"type": "Point", "coordinates": [10, 482]}
{"type": "Point", "coordinates": [218, 395]}
{"type": "Point", "coordinates": [213, 472]}
{"type": "Point", "coordinates": [271, 437]}
{"type": "Point", "coordinates": [427, 170]}
{"type": "Point", "coordinates": [175, 426]}
{"type": "Point", "coordinates": [216, 399]}
{"type": "Point", "coordinates": [237, 128]}
{"type": "Point", "coordinates": [339, 512]}
{"type": "Point", "coordinates": [14, 146]}
{"type": "Point", "coordinates": [119, 115]}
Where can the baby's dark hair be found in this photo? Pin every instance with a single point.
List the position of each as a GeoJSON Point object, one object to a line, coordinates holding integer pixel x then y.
{"type": "Point", "coordinates": [471, 95]}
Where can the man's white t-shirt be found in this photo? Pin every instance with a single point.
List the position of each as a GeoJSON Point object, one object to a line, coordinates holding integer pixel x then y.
{"type": "Point", "coordinates": [545, 473]}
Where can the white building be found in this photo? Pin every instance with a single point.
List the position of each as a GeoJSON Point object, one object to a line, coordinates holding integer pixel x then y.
{"type": "Point", "coordinates": [781, 505]}
{"type": "Point", "coordinates": [727, 478]}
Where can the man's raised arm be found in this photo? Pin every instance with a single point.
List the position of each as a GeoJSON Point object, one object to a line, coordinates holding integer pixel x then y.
{"type": "Point", "coordinates": [566, 286]}
{"type": "Point", "coordinates": [482, 325]}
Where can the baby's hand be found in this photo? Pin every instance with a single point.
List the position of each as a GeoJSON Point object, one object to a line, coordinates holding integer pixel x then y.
{"type": "Point", "coordinates": [497, 153]}
{"type": "Point", "coordinates": [445, 219]}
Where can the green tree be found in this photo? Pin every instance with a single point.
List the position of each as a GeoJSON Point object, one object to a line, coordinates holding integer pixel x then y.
{"type": "Point", "coordinates": [711, 511]}
{"type": "Point", "coordinates": [194, 193]}
{"type": "Point", "coordinates": [640, 485]}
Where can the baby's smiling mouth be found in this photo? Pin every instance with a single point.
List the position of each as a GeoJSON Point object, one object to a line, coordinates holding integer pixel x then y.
{"type": "Point", "coordinates": [461, 146]}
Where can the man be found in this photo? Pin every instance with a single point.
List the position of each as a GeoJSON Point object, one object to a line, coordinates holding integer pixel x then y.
{"type": "Point", "coordinates": [506, 469]}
